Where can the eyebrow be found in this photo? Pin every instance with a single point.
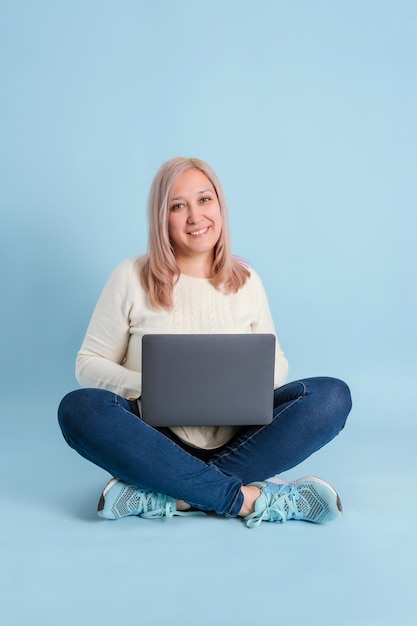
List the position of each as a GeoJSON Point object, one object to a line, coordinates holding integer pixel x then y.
{"type": "Point", "coordinates": [199, 193]}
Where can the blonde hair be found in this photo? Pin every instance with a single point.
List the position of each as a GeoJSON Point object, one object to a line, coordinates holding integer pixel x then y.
{"type": "Point", "coordinates": [159, 272]}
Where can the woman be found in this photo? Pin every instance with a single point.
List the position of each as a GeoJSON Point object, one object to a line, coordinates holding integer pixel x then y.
{"type": "Point", "coordinates": [190, 283]}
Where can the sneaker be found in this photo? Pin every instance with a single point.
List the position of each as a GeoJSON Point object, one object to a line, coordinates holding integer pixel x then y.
{"type": "Point", "coordinates": [120, 500]}
{"type": "Point", "coordinates": [309, 499]}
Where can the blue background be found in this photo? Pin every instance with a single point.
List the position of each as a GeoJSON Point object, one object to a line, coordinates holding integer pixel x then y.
{"type": "Point", "coordinates": [307, 111]}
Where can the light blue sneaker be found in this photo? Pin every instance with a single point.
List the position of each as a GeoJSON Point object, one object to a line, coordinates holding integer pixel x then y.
{"type": "Point", "coordinates": [308, 499]}
{"type": "Point", "coordinates": [120, 500]}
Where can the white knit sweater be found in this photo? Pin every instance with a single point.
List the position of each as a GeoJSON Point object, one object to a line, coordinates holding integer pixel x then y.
{"type": "Point", "coordinates": [110, 356]}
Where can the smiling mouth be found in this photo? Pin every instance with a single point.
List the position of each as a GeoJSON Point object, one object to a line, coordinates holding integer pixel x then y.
{"type": "Point", "coordinates": [196, 233]}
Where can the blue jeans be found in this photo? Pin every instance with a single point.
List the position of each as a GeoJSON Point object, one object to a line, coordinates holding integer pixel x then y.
{"type": "Point", "coordinates": [107, 430]}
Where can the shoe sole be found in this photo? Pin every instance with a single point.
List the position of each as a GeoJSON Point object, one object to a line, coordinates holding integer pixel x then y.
{"type": "Point", "coordinates": [310, 479]}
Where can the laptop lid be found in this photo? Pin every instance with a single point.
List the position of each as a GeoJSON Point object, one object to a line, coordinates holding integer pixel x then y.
{"type": "Point", "coordinates": [207, 380]}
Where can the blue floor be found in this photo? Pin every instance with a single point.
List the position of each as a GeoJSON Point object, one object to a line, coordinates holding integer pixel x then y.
{"type": "Point", "coordinates": [61, 564]}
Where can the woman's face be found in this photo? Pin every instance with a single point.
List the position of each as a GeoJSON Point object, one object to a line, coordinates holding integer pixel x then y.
{"type": "Point", "coordinates": [194, 221]}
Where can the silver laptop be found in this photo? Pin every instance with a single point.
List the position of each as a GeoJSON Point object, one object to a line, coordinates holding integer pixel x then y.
{"type": "Point", "coordinates": [207, 380]}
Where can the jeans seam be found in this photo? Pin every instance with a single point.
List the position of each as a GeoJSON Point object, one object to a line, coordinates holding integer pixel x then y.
{"type": "Point", "coordinates": [229, 513]}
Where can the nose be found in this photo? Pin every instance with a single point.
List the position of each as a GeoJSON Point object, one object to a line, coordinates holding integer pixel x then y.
{"type": "Point", "coordinates": [194, 214]}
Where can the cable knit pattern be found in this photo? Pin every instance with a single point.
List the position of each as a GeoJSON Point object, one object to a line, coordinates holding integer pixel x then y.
{"type": "Point", "coordinates": [111, 354]}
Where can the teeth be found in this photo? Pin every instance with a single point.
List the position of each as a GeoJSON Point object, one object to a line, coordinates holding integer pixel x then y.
{"type": "Point", "coordinates": [198, 232]}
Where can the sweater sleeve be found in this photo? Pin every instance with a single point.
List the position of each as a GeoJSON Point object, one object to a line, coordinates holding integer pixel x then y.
{"type": "Point", "coordinates": [265, 324]}
{"type": "Point", "coordinates": [99, 362]}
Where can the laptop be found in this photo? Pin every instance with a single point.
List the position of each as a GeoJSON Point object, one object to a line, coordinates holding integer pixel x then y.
{"type": "Point", "coordinates": [207, 380]}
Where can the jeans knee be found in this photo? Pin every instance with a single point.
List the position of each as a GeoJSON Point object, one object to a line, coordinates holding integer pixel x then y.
{"type": "Point", "coordinates": [338, 400]}
{"type": "Point", "coordinates": [74, 411]}
{"type": "Point", "coordinates": [67, 413]}
{"type": "Point", "coordinates": [343, 395]}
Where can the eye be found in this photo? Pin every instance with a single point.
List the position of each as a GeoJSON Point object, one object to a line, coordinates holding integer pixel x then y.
{"type": "Point", "coordinates": [177, 207]}
{"type": "Point", "coordinates": [205, 199]}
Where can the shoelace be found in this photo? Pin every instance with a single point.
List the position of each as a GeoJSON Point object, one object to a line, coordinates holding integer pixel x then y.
{"type": "Point", "coordinates": [153, 505]}
{"type": "Point", "coordinates": [287, 501]}
{"type": "Point", "coordinates": [282, 505]}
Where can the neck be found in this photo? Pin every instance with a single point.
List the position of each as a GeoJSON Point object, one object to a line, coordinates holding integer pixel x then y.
{"type": "Point", "coordinates": [197, 268]}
